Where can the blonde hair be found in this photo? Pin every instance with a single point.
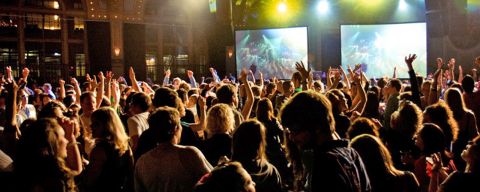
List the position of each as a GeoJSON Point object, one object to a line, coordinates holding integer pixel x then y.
{"type": "Point", "coordinates": [220, 119]}
{"type": "Point", "coordinates": [112, 128]}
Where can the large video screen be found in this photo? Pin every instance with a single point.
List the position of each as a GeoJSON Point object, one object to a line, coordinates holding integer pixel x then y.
{"type": "Point", "coordinates": [271, 51]}
{"type": "Point", "coordinates": [381, 48]}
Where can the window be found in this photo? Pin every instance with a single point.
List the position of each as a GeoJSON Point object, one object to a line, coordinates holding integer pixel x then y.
{"type": "Point", "coordinates": [52, 22]}
{"type": "Point", "coordinates": [34, 21]}
{"type": "Point", "coordinates": [151, 61]}
{"type": "Point", "coordinates": [8, 26]}
{"type": "Point", "coordinates": [51, 4]}
{"type": "Point", "coordinates": [79, 24]}
{"type": "Point", "coordinates": [32, 57]}
{"type": "Point", "coordinates": [80, 64]}
{"type": "Point", "coordinates": [9, 57]}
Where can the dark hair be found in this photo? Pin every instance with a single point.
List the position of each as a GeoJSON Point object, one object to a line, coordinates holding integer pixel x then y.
{"type": "Point", "coordinates": [319, 118]}
{"type": "Point", "coordinates": [397, 84]}
{"type": "Point", "coordinates": [372, 105]}
{"type": "Point", "coordinates": [49, 109]}
{"type": "Point", "coordinates": [264, 110]}
{"type": "Point", "coordinates": [164, 121]}
{"type": "Point", "coordinates": [226, 93]}
{"type": "Point", "coordinates": [296, 76]}
{"type": "Point", "coordinates": [440, 114]}
{"type": "Point", "coordinates": [433, 138]}
{"type": "Point", "coordinates": [468, 84]}
{"type": "Point", "coordinates": [141, 100]}
{"type": "Point", "coordinates": [249, 142]}
{"type": "Point", "coordinates": [182, 94]}
{"type": "Point", "coordinates": [165, 97]}
{"type": "Point", "coordinates": [68, 100]}
{"type": "Point", "coordinates": [85, 95]}
{"type": "Point", "coordinates": [361, 126]}
{"type": "Point", "coordinates": [224, 177]}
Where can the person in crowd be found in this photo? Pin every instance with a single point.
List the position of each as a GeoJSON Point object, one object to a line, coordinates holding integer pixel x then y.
{"type": "Point", "coordinates": [379, 165]}
{"type": "Point", "coordinates": [47, 88]}
{"type": "Point", "coordinates": [41, 162]}
{"type": "Point", "coordinates": [372, 106]}
{"type": "Point", "coordinates": [327, 160]}
{"type": "Point", "coordinates": [404, 123]}
{"type": "Point", "coordinates": [249, 149]}
{"type": "Point", "coordinates": [441, 115]}
{"type": "Point", "coordinates": [431, 141]}
{"type": "Point", "coordinates": [361, 126]}
{"type": "Point", "coordinates": [137, 124]}
{"type": "Point", "coordinates": [111, 159]}
{"type": "Point", "coordinates": [274, 138]}
{"type": "Point", "coordinates": [339, 107]}
{"type": "Point", "coordinates": [220, 126]}
{"type": "Point", "coordinates": [467, 125]}
{"type": "Point", "coordinates": [180, 166]}
{"type": "Point", "coordinates": [230, 176]}
{"type": "Point", "coordinates": [466, 180]}
{"type": "Point", "coordinates": [25, 110]}
{"type": "Point", "coordinates": [391, 93]}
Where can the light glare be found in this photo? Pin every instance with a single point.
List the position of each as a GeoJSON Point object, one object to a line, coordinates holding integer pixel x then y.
{"type": "Point", "coordinates": [323, 6]}
{"type": "Point", "coordinates": [282, 7]}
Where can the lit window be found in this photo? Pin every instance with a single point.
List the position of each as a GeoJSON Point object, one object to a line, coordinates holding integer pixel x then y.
{"type": "Point", "coordinates": [79, 24]}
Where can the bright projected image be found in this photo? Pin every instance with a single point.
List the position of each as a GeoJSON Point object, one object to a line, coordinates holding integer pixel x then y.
{"type": "Point", "coordinates": [271, 51]}
{"type": "Point", "coordinates": [380, 48]}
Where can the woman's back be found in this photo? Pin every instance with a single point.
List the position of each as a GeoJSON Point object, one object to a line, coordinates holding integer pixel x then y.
{"type": "Point", "coordinates": [108, 169]}
{"type": "Point", "coordinates": [170, 168]}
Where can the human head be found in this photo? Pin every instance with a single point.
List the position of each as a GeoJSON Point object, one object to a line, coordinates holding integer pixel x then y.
{"type": "Point", "coordinates": [227, 94]}
{"type": "Point", "coordinates": [264, 110]}
{"type": "Point", "coordinates": [338, 101]}
{"type": "Point", "coordinates": [168, 97]}
{"type": "Point", "coordinates": [53, 109]}
{"type": "Point", "coordinates": [361, 126]}
{"type": "Point", "coordinates": [407, 119]}
{"type": "Point", "coordinates": [249, 142]}
{"type": "Point", "coordinates": [165, 123]}
{"type": "Point", "coordinates": [375, 155]}
{"type": "Point", "coordinates": [308, 115]}
{"type": "Point", "coordinates": [430, 139]}
{"type": "Point", "coordinates": [220, 119]}
{"type": "Point", "coordinates": [454, 100]}
{"type": "Point", "coordinates": [139, 103]}
{"type": "Point", "coordinates": [288, 88]}
{"type": "Point", "coordinates": [296, 79]}
{"type": "Point", "coordinates": [468, 84]}
{"type": "Point", "coordinates": [47, 87]}
{"type": "Point", "coordinates": [471, 155]}
{"type": "Point", "coordinates": [107, 125]}
{"type": "Point", "coordinates": [393, 86]}
{"type": "Point", "coordinates": [88, 102]}
{"type": "Point", "coordinates": [441, 115]}
{"type": "Point", "coordinates": [229, 176]}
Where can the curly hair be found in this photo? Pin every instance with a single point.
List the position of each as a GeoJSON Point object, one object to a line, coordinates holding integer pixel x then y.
{"type": "Point", "coordinates": [441, 115]}
{"type": "Point", "coordinates": [220, 119]}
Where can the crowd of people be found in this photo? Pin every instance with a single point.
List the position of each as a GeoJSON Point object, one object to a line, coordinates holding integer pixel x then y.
{"type": "Point", "coordinates": [343, 133]}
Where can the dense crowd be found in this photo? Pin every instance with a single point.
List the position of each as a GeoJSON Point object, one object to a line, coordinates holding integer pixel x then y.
{"type": "Point", "coordinates": [342, 133]}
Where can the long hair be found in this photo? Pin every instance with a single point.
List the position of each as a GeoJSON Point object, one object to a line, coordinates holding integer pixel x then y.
{"type": "Point", "coordinates": [455, 101]}
{"type": "Point", "coordinates": [371, 107]}
{"type": "Point", "coordinates": [441, 115]}
{"type": "Point", "coordinates": [264, 110]}
{"type": "Point", "coordinates": [38, 156]}
{"type": "Point", "coordinates": [407, 119]}
{"type": "Point", "coordinates": [375, 156]}
{"type": "Point", "coordinates": [229, 176]}
{"type": "Point", "coordinates": [109, 126]}
{"type": "Point", "coordinates": [220, 119]}
{"type": "Point", "coordinates": [474, 155]}
{"type": "Point", "coordinates": [249, 142]}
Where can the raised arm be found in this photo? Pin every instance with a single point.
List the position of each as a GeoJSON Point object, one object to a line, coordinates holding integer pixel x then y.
{"type": "Point", "coordinates": [261, 80]}
{"type": "Point", "coordinates": [345, 78]}
{"type": "Point", "coordinates": [115, 94]}
{"type": "Point", "coordinates": [78, 91]}
{"type": "Point", "coordinates": [250, 72]}
{"type": "Point", "coordinates": [460, 74]}
{"type": "Point", "coordinates": [215, 76]}
{"type": "Point", "coordinates": [433, 95]}
{"type": "Point", "coordinates": [108, 81]}
{"type": "Point", "coordinates": [74, 159]}
{"type": "Point", "coordinates": [100, 89]}
{"type": "Point", "coordinates": [247, 108]}
{"type": "Point", "coordinates": [413, 80]}
{"type": "Point", "coordinates": [193, 83]}
{"type": "Point", "coordinates": [202, 117]}
{"type": "Point", "coordinates": [135, 86]}
{"type": "Point", "coordinates": [305, 74]}
{"type": "Point", "coordinates": [394, 76]}
{"type": "Point", "coordinates": [166, 79]}
{"type": "Point", "coordinates": [360, 100]}
{"type": "Point", "coordinates": [61, 84]}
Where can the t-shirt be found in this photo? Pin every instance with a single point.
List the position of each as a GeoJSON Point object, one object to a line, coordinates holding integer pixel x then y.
{"type": "Point", "coordinates": [170, 168]}
{"type": "Point", "coordinates": [137, 124]}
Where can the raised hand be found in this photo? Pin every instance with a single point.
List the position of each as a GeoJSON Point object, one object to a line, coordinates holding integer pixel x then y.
{"type": "Point", "coordinates": [61, 82]}
{"type": "Point", "coordinates": [9, 73]}
{"type": "Point", "coordinates": [168, 73]}
{"type": "Point", "coordinates": [109, 76]}
{"type": "Point", "coordinates": [74, 81]}
{"type": "Point", "coordinates": [243, 76]}
{"type": "Point", "coordinates": [101, 78]}
{"type": "Point", "coordinates": [301, 68]}
{"type": "Point", "coordinates": [409, 60]}
{"type": "Point", "coordinates": [68, 126]}
{"type": "Point", "coordinates": [439, 63]}
{"type": "Point", "coordinates": [131, 73]}
{"type": "Point", "coordinates": [25, 73]}
{"type": "Point", "coordinates": [357, 67]}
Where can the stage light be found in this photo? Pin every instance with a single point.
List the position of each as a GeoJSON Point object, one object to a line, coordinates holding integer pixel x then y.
{"type": "Point", "coordinates": [402, 5]}
{"type": "Point", "coordinates": [282, 7]}
{"type": "Point", "coordinates": [323, 6]}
